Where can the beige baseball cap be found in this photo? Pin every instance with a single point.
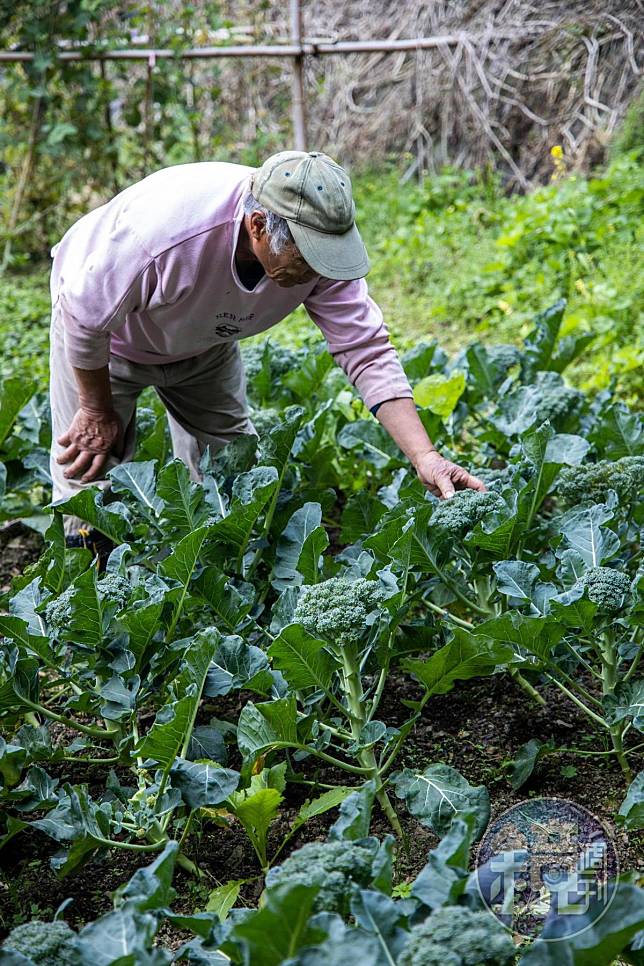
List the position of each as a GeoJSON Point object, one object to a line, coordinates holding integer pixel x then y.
{"type": "Point", "coordinates": [313, 193]}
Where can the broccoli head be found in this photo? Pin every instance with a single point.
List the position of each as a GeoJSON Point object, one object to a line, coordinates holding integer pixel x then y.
{"type": "Point", "coordinates": [337, 609]}
{"type": "Point", "coordinates": [461, 513]}
{"type": "Point", "coordinates": [114, 588]}
{"type": "Point", "coordinates": [456, 936]}
{"type": "Point", "coordinates": [336, 867]}
{"type": "Point", "coordinates": [609, 589]}
{"type": "Point", "coordinates": [46, 943]}
{"type": "Point", "coordinates": [265, 419]}
{"type": "Point", "coordinates": [58, 612]}
{"type": "Point", "coordinates": [592, 481]}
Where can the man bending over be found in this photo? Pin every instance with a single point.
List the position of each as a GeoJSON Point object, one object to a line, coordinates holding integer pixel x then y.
{"type": "Point", "coordinates": [157, 287]}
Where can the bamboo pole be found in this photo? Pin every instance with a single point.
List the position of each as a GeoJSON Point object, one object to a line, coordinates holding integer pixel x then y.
{"type": "Point", "coordinates": [297, 86]}
{"type": "Point", "coordinates": [306, 47]}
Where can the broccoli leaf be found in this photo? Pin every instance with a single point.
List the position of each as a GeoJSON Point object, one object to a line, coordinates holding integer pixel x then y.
{"type": "Point", "coordinates": [465, 656]}
{"type": "Point", "coordinates": [303, 540]}
{"type": "Point", "coordinates": [601, 932]}
{"type": "Point", "coordinates": [203, 783]}
{"type": "Point", "coordinates": [275, 932]}
{"type": "Point", "coordinates": [631, 811]}
{"type": "Point", "coordinates": [267, 725]}
{"type": "Point", "coordinates": [437, 795]}
{"type": "Point", "coordinates": [302, 659]}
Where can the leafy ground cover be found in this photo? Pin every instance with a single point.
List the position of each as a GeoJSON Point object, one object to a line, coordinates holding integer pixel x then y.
{"type": "Point", "coordinates": [272, 656]}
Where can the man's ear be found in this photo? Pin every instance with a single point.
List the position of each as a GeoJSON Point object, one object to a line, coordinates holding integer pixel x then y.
{"type": "Point", "coordinates": [257, 225]}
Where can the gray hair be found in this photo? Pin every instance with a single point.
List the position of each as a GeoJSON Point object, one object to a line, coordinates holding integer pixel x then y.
{"type": "Point", "coordinates": [279, 234]}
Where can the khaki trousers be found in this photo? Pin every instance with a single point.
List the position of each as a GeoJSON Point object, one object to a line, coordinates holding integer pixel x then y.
{"type": "Point", "coordinates": [204, 396]}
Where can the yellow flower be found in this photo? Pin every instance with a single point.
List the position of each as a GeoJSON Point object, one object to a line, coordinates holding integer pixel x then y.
{"type": "Point", "coordinates": [557, 152]}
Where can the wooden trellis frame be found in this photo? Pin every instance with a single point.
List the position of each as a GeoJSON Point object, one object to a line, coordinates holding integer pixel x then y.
{"type": "Point", "coordinates": [297, 50]}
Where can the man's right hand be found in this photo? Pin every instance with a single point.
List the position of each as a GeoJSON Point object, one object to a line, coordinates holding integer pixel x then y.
{"type": "Point", "coordinates": [88, 442]}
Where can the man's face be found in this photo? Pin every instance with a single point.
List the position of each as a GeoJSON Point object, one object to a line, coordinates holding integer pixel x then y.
{"type": "Point", "coordinates": [286, 269]}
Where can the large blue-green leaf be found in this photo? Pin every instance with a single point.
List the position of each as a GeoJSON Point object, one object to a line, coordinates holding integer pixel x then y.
{"type": "Point", "coordinates": [267, 725]}
{"type": "Point", "coordinates": [111, 519]}
{"type": "Point", "coordinates": [151, 886]}
{"type": "Point", "coordinates": [439, 794]}
{"type": "Point", "coordinates": [538, 635]}
{"type": "Point", "coordinates": [354, 819]}
{"type": "Point", "coordinates": [631, 811]}
{"type": "Point", "coordinates": [360, 516]}
{"type": "Point", "coordinates": [584, 532]}
{"type": "Point", "coordinates": [122, 936]}
{"type": "Point", "coordinates": [619, 432]}
{"type": "Point", "coordinates": [203, 783]}
{"type": "Point", "coordinates": [235, 665]}
{"type": "Point", "coordinates": [299, 547]}
{"type": "Point", "coordinates": [276, 446]}
{"type": "Point", "coordinates": [370, 441]}
{"type": "Point", "coordinates": [274, 933]}
{"type": "Point", "coordinates": [443, 879]}
{"type": "Point", "coordinates": [172, 727]}
{"type": "Point", "coordinates": [139, 480]}
{"type": "Point", "coordinates": [251, 493]}
{"type": "Point", "coordinates": [627, 703]}
{"type": "Point", "coordinates": [516, 578]}
{"type": "Point", "coordinates": [465, 656]}
{"type": "Point", "coordinates": [229, 604]}
{"type": "Point", "coordinates": [540, 343]}
{"type": "Point", "coordinates": [181, 563]}
{"type": "Point", "coordinates": [302, 659]}
{"type": "Point", "coordinates": [15, 393]}
{"type": "Point", "coordinates": [601, 931]}
{"type": "Point", "coordinates": [380, 917]}
{"type": "Point", "coordinates": [184, 508]}
{"type": "Point", "coordinates": [526, 759]}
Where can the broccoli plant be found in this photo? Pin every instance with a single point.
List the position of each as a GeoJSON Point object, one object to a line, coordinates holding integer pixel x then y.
{"type": "Point", "coordinates": [44, 943]}
{"type": "Point", "coordinates": [456, 936]}
{"type": "Point", "coordinates": [336, 869]}
{"type": "Point", "coordinates": [592, 482]}
{"type": "Point", "coordinates": [340, 611]}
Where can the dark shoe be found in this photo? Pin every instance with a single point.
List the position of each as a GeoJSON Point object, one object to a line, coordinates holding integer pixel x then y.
{"type": "Point", "coordinates": [96, 542]}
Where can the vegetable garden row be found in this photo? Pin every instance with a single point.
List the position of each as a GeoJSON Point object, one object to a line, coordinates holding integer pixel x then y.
{"type": "Point", "coordinates": [306, 570]}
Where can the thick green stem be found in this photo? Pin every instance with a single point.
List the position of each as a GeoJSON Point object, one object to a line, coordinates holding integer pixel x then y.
{"type": "Point", "coordinates": [634, 666]}
{"type": "Point", "coordinates": [617, 737]}
{"type": "Point", "coordinates": [188, 865]}
{"type": "Point", "coordinates": [466, 625]}
{"type": "Point", "coordinates": [69, 722]}
{"type": "Point", "coordinates": [580, 704]}
{"type": "Point", "coordinates": [358, 719]}
{"type": "Point", "coordinates": [609, 658]}
{"type": "Point", "coordinates": [527, 687]}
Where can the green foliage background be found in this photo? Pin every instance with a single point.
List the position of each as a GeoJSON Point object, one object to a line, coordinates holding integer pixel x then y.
{"type": "Point", "coordinates": [456, 259]}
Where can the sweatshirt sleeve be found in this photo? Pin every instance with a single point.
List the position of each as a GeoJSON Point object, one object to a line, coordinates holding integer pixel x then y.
{"type": "Point", "coordinates": [99, 284]}
{"type": "Point", "coordinates": [358, 340]}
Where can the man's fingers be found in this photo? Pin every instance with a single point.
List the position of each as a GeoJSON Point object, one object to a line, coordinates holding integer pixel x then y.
{"type": "Point", "coordinates": [80, 464]}
{"type": "Point", "coordinates": [445, 486]}
{"type": "Point", "coordinates": [469, 482]}
{"type": "Point", "coordinates": [96, 468]}
{"type": "Point", "coordinates": [70, 454]}
{"type": "Point", "coordinates": [65, 439]}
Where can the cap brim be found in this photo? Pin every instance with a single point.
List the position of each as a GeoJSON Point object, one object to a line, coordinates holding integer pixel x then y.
{"type": "Point", "coordinates": [332, 256]}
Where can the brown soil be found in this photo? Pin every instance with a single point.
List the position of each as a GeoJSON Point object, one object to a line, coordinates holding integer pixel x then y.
{"type": "Point", "coordinates": [476, 728]}
{"type": "Point", "coordinates": [19, 547]}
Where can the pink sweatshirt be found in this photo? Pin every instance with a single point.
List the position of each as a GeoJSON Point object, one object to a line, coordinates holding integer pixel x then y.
{"type": "Point", "coordinates": [151, 277]}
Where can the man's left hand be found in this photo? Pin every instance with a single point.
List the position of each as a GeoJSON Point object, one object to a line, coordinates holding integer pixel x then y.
{"type": "Point", "coordinates": [442, 477]}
